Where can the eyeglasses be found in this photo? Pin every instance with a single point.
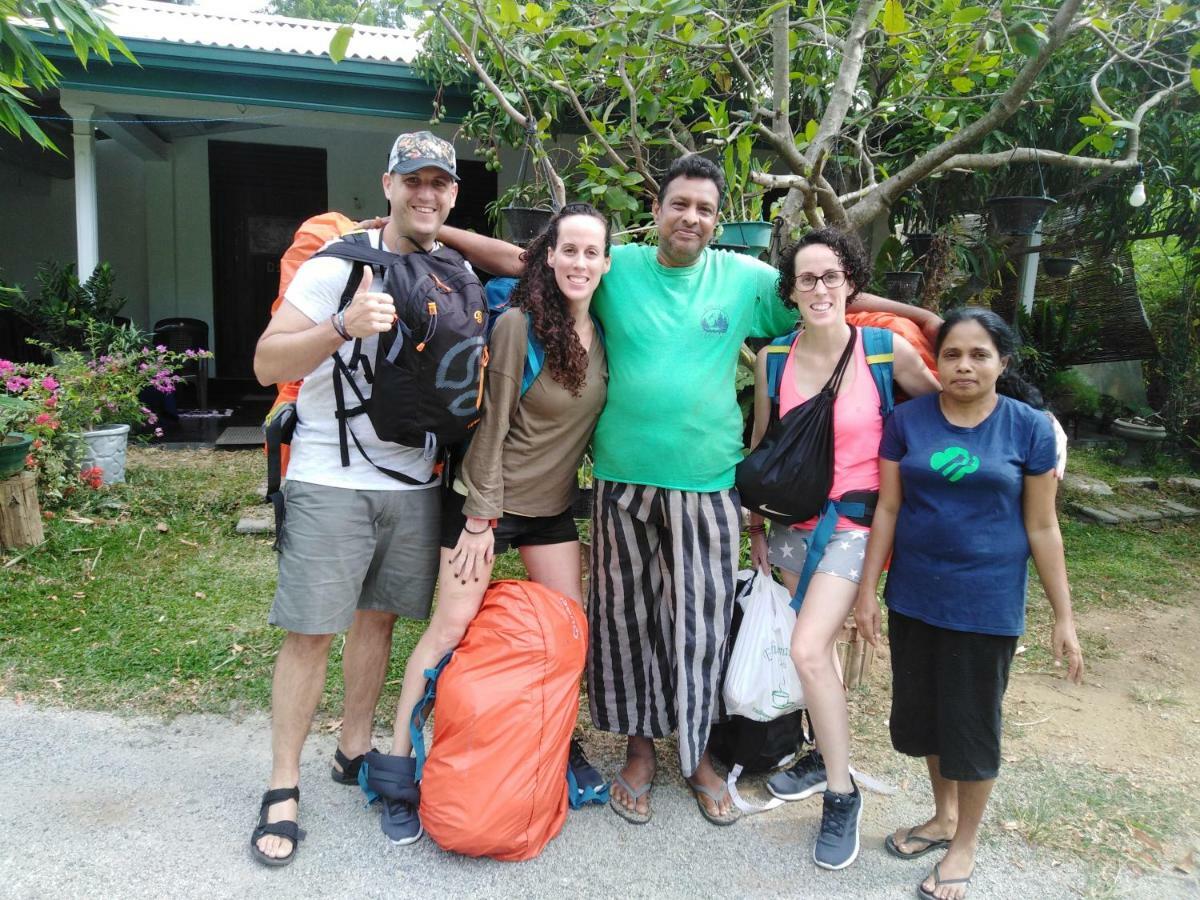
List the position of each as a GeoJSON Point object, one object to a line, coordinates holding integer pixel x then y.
{"type": "Point", "coordinates": [832, 279]}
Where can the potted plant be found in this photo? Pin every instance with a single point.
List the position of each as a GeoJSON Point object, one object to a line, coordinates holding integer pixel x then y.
{"type": "Point", "coordinates": [1059, 266]}
{"type": "Point", "coordinates": [744, 231]}
{"type": "Point", "coordinates": [14, 444]}
{"type": "Point", "coordinates": [1018, 215]}
{"type": "Point", "coordinates": [65, 309]}
{"type": "Point", "coordinates": [902, 286]}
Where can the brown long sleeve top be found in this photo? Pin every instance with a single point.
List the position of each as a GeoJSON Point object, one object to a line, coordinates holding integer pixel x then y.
{"type": "Point", "coordinates": [526, 449]}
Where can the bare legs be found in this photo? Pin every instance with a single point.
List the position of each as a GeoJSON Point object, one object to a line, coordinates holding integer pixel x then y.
{"type": "Point", "coordinates": [826, 605]}
{"type": "Point", "coordinates": [364, 668]}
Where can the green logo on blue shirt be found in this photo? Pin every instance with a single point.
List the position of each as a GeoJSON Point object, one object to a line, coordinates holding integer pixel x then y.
{"type": "Point", "coordinates": [954, 463]}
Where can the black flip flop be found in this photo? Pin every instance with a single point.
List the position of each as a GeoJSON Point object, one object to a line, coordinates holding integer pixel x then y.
{"type": "Point", "coordinates": [931, 844]}
{"type": "Point", "coordinates": [938, 880]}
{"type": "Point", "coordinates": [289, 829]}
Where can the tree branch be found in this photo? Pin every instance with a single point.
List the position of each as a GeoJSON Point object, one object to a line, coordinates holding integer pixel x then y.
{"type": "Point", "coordinates": [847, 78]}
{"type": "Point", "coordinates": [1005, 106]}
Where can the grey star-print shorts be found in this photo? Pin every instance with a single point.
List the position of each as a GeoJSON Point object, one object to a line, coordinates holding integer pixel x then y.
{"type": "Point", "coordinates": [844, 554]}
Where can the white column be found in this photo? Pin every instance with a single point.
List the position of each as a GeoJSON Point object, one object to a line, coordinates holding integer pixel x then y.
{"type": "Point", "coordinates": [87, 217]}
{"type": "Point", "coordinates": [1029, 270]}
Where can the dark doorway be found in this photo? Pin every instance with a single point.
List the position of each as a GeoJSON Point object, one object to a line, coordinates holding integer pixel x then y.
{"type": "Point", "coordinates": [259, 195]}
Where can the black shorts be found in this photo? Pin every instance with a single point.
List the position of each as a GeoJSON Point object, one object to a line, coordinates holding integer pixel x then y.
{"type": "Point", "coordinates": [511, 531]}
{"type": "Point", "coordinates": [947, 689]}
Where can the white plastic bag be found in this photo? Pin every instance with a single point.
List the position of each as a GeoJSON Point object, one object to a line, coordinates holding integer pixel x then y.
{"type": "Point", "coordinates": [761, 683]}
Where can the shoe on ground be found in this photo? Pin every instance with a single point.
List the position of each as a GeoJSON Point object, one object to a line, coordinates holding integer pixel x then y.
{"type": "Point", "coordinates": [400, 822]}
{"type": "Point", "coordinates": [837, 841]}
{"type": "Point", "coordinates": [805, 778]}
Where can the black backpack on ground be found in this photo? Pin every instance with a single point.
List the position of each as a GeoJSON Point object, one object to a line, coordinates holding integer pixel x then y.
{"type": "Point", "coordinates": [427, 375]}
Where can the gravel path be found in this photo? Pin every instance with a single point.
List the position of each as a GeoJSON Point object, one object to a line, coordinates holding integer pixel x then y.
{"type": "Point", "coordinates": [101, 805]}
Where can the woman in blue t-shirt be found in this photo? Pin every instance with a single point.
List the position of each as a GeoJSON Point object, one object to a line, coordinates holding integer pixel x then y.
{"type": "Point", "coordinates": [967, 485]}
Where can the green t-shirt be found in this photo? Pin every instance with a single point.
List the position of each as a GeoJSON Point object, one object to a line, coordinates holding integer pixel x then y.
{"type": "Point", "coordinates": [673, 335]}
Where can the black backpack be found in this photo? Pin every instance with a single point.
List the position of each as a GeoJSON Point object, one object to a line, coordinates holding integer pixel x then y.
{"type": "Point", "coordinates": [427, 375]}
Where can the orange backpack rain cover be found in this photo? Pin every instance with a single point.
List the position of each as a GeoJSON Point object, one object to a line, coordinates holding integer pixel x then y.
{"type": "Point", "coordinates": [495, 781]}
{"type": "Point", "coordinates": [313, 234]}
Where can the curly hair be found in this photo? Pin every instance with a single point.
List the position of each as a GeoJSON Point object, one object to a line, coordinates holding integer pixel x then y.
{"type": "Point", "coordinates": [539, 295]}
{"type": "Point", "coordinates": [844, 244]}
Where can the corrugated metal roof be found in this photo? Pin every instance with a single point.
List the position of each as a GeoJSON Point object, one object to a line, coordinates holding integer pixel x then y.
{"type": "Point", "coordinates": [147, 21]}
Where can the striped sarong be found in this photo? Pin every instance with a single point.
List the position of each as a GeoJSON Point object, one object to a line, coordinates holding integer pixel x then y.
{"type": "Point", "coordinates": [661, 595]}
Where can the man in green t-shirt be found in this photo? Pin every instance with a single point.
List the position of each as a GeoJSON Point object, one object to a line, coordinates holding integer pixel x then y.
{"type": "Point", "coordinates": [665, 531]}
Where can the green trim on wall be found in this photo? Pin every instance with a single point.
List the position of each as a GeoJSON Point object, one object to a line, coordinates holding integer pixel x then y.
{"type": "Point", "coordinates": [254, 77]}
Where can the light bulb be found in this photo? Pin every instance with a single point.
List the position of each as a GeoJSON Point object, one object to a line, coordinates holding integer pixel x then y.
{"type": "Point", "coordinates": [1137, 196]}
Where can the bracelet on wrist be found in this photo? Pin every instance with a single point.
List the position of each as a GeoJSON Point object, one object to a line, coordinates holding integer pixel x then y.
{"type": "Point", "coordinates": [488, 526]}
{"type": "Point", "coordinates": [756, 529]}
{"type": "Point", "coordinates": [338, 321]}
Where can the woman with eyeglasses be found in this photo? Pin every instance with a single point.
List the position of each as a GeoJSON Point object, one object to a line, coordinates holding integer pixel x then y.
{"type": "Point", "coordinates": [821, 275]}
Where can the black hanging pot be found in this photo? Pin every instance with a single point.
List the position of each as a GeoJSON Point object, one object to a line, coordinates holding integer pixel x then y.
{"type": "Point", "coordinates": [1018, 215]}
{"type": "Point", "coordinates": [524, 223]}
{"type": "Point", "coordinates": [902, 286]}
{"type": "Point", "coordinates": [919, 243]}
{"type": "Point", "coordinates": [1059, 266]}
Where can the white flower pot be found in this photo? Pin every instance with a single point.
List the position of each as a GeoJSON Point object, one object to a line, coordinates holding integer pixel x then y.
{"type": "Point", "coordinates": [105, 447]}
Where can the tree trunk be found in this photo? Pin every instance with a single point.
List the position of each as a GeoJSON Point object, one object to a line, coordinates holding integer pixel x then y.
{"type": "Point", "coordinates": [20, 514]}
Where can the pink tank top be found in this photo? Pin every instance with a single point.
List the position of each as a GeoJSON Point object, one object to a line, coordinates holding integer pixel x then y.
{"type": "Point", "coordinates": [857, 429]}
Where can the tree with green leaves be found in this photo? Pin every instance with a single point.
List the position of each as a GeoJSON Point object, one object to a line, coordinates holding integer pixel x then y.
{"type": "Point", "coordinates": [852, 107]}
{"type": "Point", "coordinates": [24, 68]}
{"type": "Point", "coordinates": [362, 12]}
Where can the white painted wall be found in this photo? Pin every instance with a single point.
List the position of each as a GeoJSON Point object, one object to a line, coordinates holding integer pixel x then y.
{"type": "Point", "coordinates": [154, 215]}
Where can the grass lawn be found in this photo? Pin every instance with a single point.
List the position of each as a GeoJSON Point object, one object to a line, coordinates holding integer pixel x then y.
{"type": "Point", "coordinates": [146, 598]}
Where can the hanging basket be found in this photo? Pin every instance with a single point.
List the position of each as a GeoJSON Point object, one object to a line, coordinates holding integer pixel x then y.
{"type": "Point", "coordinates": [1059, 266]}
{"type": "Point", "coordinates": [919, 243]}
{"type": "Point", "coordinates": [524, 223]}
{"type": "Point", "coordinates": [748, 237]}
{"type": "Point", "coordinates": [1018, 215]}
{"type": "Point", "coordinates": [902, 286]}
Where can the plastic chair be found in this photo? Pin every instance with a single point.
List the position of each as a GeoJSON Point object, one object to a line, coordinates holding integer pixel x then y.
{"type": "Point", "coordinates": [180, 334]}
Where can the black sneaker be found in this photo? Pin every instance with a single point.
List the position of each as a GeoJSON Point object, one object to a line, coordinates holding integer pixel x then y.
{"type": "Point", "coordinates": [805, 778]}
{"type": "Point", "coordinates": [837, 843]}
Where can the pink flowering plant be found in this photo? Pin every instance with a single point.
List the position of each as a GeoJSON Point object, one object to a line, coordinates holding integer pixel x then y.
{"type": "Point", "coordinates": [78, 394]}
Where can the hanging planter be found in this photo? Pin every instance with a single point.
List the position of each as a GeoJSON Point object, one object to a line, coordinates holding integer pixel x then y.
{"type": "Point", "coordinates": [524, 223]}
{"type": "Point", "coordinates": [14, 447]}
{"type": "Point", "coordinates": [751, 238]}
{"type": "Point", "coordinates": [919, 243]}
{"type": "Point", "coordinates": [1018, 215]}
{"type": "Point", "coordinates": [1059, 266]}
{"type": "Point", "coordinates": [902, 286]}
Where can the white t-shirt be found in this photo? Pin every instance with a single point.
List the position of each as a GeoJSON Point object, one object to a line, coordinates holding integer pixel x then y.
{"type": "Point", "coordinates": [315, 290]}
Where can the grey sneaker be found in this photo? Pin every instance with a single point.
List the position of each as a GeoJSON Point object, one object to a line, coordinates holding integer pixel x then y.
{"type": "Point", "coordinates": [837, 842]}
{"type": "Point", "coordinates": [805, 778]}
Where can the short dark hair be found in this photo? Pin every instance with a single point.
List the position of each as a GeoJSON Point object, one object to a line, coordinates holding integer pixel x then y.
{"type": "Point", "coordinates": [1010, 383]}
{"type": "Point", "coordinates": [693, 166]}
{"type": "Point", "coordinates": [846, 245]}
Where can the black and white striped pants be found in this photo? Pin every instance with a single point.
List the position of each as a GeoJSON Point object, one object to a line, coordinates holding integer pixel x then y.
{"type": "Point", "coordinates": [661, 595]}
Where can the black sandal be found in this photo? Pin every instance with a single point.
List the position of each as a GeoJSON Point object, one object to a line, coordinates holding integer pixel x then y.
{"type": "Point", "coordinates": [346, 769]}
{"type": "Point", "coordinates": [286, 829]}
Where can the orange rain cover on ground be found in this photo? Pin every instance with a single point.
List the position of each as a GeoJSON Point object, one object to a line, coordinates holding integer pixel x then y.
{"type": "Point", "coordinates": [311, 236]}
{"type": "Point", "coordinates": [495, 781]}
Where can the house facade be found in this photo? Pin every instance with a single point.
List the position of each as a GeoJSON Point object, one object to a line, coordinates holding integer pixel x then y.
{"type": "Point", "coordinates": [189, 171]}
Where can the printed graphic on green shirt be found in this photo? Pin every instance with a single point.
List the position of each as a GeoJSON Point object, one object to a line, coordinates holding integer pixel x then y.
{"type": "Point", "coordinates": [954, 463]}
{"type": "Point", "coordinates": [715, 321]}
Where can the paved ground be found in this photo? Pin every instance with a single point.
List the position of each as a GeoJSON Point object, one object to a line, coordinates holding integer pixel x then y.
{"type": "Point", "coordinates": [99, 805]}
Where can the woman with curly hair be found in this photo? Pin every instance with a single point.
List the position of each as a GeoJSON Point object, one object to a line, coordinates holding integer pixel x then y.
{"type": "Point", "coordinates": [821, 275]}
{"type": "Point", "coordinates": [517, 482]}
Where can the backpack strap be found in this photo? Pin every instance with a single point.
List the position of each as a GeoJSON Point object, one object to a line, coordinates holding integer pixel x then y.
{"type": "Point", "coordinates": [420, 713]}
{"type": "Point", "coordinates": [535, 353]}
{"type": "Point", "coordinates": [777, 355]}
{"type": "Point", "coordinates": [860, 507]}
{"type": "Point", "coordinates": [278, 429]}
{"type": "Point", "coordinates": [877, 343]}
